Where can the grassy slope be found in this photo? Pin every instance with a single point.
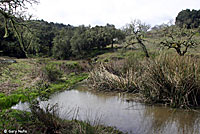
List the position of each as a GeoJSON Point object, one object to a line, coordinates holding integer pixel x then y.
{"type": "Point", "coordinates": [24, 80]}
{"type": "Point", "coordinates": [27, 75]}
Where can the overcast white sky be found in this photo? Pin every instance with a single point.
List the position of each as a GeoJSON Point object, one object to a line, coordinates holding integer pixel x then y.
{"type": "Point", "coordinates": [117, 12]}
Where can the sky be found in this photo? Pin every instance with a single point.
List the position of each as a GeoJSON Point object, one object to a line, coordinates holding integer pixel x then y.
{"type": "Point", "coordinates": [117, 12]}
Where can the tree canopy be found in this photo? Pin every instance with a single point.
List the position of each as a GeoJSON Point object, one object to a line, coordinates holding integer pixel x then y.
{"type": "Point", "coordinates": [13, 13]}
{"type": "Point", "coordinates": [135, 33]}
{"type": "Point", "coordinates": [188, 18]}
{"type": "Point", "coordinates": [180, 39]}
{"type": "Point", "coordinates": [58, 40]}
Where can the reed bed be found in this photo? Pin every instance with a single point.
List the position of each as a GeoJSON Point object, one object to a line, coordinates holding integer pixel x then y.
{"type": "Point", "coordinates": [173, 80]}
{"type": "Point", "coordinates": [115, 76]}
{"type": "Point", "coordinates": [168, 79]}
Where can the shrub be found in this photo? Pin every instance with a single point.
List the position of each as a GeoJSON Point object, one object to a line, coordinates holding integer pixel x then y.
{"type": "Point", "coordinates": [77, 67]}
{"type": "Point", "coordinates": [51, 72]}
{"type": "Point", "coordinates": [46, 116]}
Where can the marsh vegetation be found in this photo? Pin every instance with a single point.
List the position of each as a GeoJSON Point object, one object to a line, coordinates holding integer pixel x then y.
{"type": "Point", "coordinates": [160, 65]}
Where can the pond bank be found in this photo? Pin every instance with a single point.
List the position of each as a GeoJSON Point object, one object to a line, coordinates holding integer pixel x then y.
{"type": "Point", "coordinates": [47, 123]}
{"type": "Point", "coordinates": [113, 109]}
{"type": "Point", "coordinates": [24, 95]}
{"type": "Point", "coordinates": [31, 78]}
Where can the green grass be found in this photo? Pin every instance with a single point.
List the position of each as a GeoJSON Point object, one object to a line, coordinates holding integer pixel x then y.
{"type": "Point", "coordinates": [13, 119]}
{"type": "Point", "coordinates": [29, 78]}
{"type": "Point", "coordinates": [29, 94]}
{"type": "Point", "coordinates": [17, 75]}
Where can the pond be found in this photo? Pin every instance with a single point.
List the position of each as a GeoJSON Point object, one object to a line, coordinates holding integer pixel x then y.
{"type": "Point", "coordinates": [127, 116]}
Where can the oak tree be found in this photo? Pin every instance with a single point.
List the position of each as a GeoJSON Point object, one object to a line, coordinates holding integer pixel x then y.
{"type": "Point", "coordinates": [180, 39]}
{"type": "Point", "coordinates": [135, 33]}
{"type": "Point", "coordinates": [14, 13]}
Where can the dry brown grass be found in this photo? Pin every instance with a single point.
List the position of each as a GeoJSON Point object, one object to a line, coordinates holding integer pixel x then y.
{"type": "Point", "coordinates": [23, 74]}
{"type": "Point", "coordinates": [115, 76]}
{"type": "Point", "coordinates": [168, 79]}
{"type": "Point", "coordinates": [172, 79]}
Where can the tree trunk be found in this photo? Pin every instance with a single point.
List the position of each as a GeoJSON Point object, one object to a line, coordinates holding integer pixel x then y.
{"type": "Point", "coordinates": [179, 52]}
{"type": "Point", "coordinates": [112, 45]}
{"type": "Point", "coordinates": [143, 48]}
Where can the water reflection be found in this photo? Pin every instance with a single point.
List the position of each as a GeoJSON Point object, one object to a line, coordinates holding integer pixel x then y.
{"type": "Point", "coordinates": [114, 110]}
{"type": "Point", "coordinates": [166, 120]}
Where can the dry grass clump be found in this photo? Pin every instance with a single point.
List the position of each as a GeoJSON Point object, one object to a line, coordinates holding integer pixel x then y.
{"type": "Point", "coordinates": [173, 80]}
{"type": "Point", "coordinates": [168, 79]}
{"type": "Point", "coordinates": [115, 76]}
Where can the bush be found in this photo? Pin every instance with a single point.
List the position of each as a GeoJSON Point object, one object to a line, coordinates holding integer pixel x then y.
{"type": "Point", "coordinates": [51, 72]}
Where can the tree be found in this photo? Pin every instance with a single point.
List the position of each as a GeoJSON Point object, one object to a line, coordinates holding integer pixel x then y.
{"type": "Point", "coordinates": [13, 12]}
{"type": "Point", "coordinates": [113, 34]}
{"type": "Point", "coordinates": [61, 44]}
{"type": "Point", "coordinates": [79, 41]}
{"type": "Point", "coordinates": [180, 39]}
{"type": "Point", "coordinates": [188, 18]}
{"type": "Point", "coordinates": [135, 33]}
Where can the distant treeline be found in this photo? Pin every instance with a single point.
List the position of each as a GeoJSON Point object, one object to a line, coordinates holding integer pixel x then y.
{"type": "Point", "coordinates": [58, 40]}
{"type": "Point", "coordinates": [188, 18]}
{"type": "Point", "coordinates": [43, 39]}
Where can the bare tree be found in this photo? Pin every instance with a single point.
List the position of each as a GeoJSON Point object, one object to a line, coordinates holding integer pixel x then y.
{"type": "Point", "coordinates": [13, 12]}
{"type": "Point", "coordinates": [180, 39]}
{"type": "Point", "coordinates": [135, 33]}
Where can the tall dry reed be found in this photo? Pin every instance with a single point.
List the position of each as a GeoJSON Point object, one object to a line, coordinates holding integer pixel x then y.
{"type": "Point", "coordinates": [168, 79]}
{"type": "Point", "coordinates": [173, 80]}
{"type": "Point", "coordinates": [115, 76]}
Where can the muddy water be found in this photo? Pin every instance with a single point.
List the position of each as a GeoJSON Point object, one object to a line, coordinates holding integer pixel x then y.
{"type": "Point", "coordinates": [115, 110]}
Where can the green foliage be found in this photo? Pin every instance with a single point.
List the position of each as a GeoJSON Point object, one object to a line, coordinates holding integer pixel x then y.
{"type": "Point", "coordinates": [2, 95]}
{"type": "Point", "coordinates": [42, 90]}
{"type": "Point", "coordinates": [180, 39]}
{"type": "Point", "coordinates": [86, 38]}
{"type": "Point", "coordinates": [57, 40]}
{"type": "Point", "coordinates": [51, 72]}
{"type": "Point", "coordinates": [73, 78]}
{"type": "Point", "coordinates": [188, 18]}
{"type": "Point", "coordinates": [61, 44]}
{"type": "Point", "coordinates": [8, 101]}
{"type": "Point", "coordinates": [14, 119]}
{"type": "Point", "coordinates": [30, 78]}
